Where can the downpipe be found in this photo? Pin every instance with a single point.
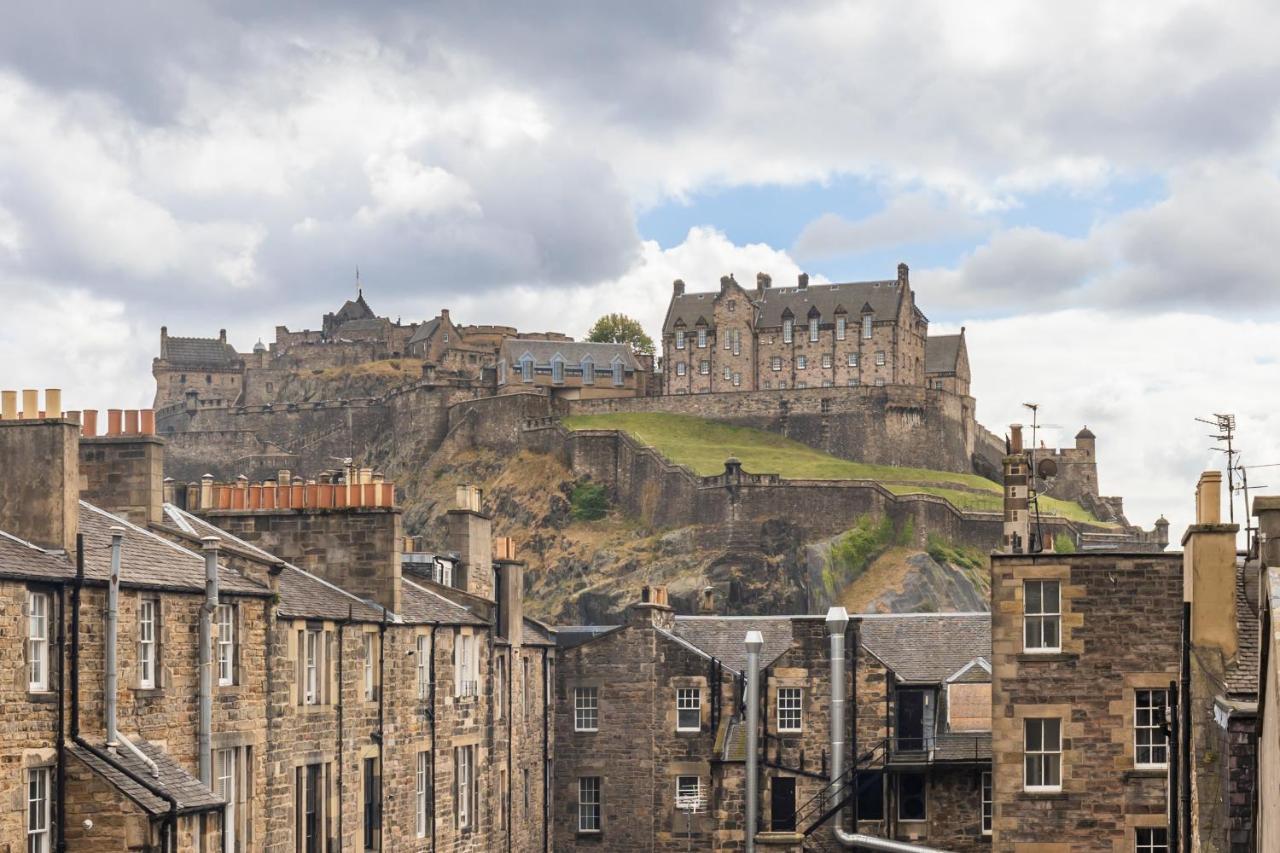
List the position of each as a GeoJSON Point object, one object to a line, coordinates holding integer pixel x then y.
{"type": "Point", "coordinates": [837, 623]}
{"type": "Point", "coordinates": [114, 738]}
{"type": "Point", "coordinates": [204, 734]}
{"type": "Point", "coordinates": [755, 642]}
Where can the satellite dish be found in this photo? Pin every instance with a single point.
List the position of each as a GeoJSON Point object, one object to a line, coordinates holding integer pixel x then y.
{"type": "Point", "coordinates": [1046, 469]}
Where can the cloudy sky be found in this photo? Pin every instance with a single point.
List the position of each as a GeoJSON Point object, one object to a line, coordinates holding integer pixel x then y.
{"type": "Point", "coordinates": [1091, 189]}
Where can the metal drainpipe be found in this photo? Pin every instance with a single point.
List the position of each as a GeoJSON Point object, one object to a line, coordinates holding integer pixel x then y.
{"type": "Point", "coordinates": [431, 674]}
{"type": "Point", "coordinates": [205, 733]}
{"type": "Point", "coordinates": [754, 642]}
{"type": "Point", "coordinates": [114, 739]}
{"type": "Point", "coordinates": [62, 722]}
{"type": "Point", "coordinates": [837, 623]}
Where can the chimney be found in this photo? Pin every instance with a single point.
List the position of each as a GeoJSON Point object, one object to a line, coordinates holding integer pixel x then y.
{"type": "Point", "coordinates": [803, 281]}
{"type": "Point", "coordinates": [652, 609]}
{"type": "Point", "coordinates": [902, 273]}
{"type": "Point", "coordinates": [677, 287]}
{"type": "Point", "coordinates": [725, 281]}
{"type": "Point", "coordinates": [1017, 503]}
{"type": "Point", "coordinates": [444, 314]}
{"type": "Point", "coordinates": [510, 590]}
{"type": "Point", "coordinates": [707, 601]}
{"type": "Point", "coordinates": [1209, 570]}
{"type": "Point", "coordinates": [763, 281]}
{"type": "Point", "coordinates": [222, 335]}
{"type": "Point", "coordinates": [123, 471]}
{"type": "Point", "coordinates": [40, 487]}
{"type": "Point", "coordinates": [471, 535]}
{"type": "Point", "coordinates": [1267, 510]}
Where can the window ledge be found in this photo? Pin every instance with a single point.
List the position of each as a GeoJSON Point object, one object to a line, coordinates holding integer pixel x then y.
{"type": "Point", "coordinates": [1046, 657]}
{"type": "Point", "coordinates": [148, 692]}
{"type": "Point", "coordinates": [1046, 794]}
{"type": "Point", "coordinates": [1146, 773]}
{"type": "Point", "coordinates": [42, 697]}
{"type": "Point", "coordinates": [230, 689]}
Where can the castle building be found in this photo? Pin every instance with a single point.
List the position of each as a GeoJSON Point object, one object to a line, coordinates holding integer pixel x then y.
{"type": "Point", "coordinates": [209, 368]}
{"type": "Point", "coordinates": [570, 370]}
{"type": "Point", "coordinates": [249, 667]}
{"type": "Point", "coordinates": [807, 336]}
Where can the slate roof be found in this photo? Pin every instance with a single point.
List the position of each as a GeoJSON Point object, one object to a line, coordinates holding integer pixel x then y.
{"type": "Point", "coordinates": [941, 352]}
{"type": "Point", "coordinates": [538, 634]}
{"type": "Point", "coordinates": [722, 637]}
{"type": "Point", "coordinates": [882, 296]}
{"type": "Point", "coordinates": [976, 671]}
{"type": "Point", "coordinates": [966, 746]}
{"type": "Point", "coordinates": [356, 309]}
{"type": "Point", "coordinates": [198, 352]}
{"type": "Point", "coordinates": [1242, 673]}
{"type": "Point", "coordinates": [571, 636]}
{"type": "Point", "coordinates": [24, 561]}
{"type": "Point", "coordinates": [420, 604]}
{"type": "Point", "coordinates": [926, 648]}
{"type": "Point", "coordinates": [425, 330]}
{"type": "Point", "coordinates": [190, 792]}
{"type": "Point", "coordinates": [302, 594]}
{"type": "Point", "coordinates": [573, 352]}
{"type": "Point", "coordinates": [148, 559]}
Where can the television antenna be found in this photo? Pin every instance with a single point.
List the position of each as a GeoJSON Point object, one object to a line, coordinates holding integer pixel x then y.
{"type": "Point", "coordinates": [1226, 426]}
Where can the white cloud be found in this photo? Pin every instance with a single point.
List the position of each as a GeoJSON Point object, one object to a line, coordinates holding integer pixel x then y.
{"type": "Point", "coordinates": [910, 218]}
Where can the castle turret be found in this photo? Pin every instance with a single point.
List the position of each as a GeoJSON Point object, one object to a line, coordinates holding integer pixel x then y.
{"type": "Point", "coordinates": [1086, 442]}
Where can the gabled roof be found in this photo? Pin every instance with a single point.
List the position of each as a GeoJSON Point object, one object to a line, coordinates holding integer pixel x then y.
{"type": "Point", "coordinates": [1242, 673]}
{"type": "Point", "coordinates": [882, 297]}
{"type": "Point", "coordinates": [537, 633]}
{"type": "Point", "coordinates": [722, 637]}
{"type": "Point", "coordinates": [420, 604]}
{"type": "Point", "coordinates": [573, 352]}
{"type": "Point", "coordinates": [21, 560]}
{"type": "Point", "coordinates": [942, 353]}
{"type": "Point", "coordinates": [356, 309]}
{"type": "Point", "coordinates": [198, 352]}
{"type": "Point", "coordinates": [926, 648]}
{"type": "Point", "coordinates": [425, 330]}
{"type": "Point", "coordinates": [149, 560]}
{"type": "Point", "coordinates": [976, 671]}
{"type": "Point", "coordinates": [191, 794]}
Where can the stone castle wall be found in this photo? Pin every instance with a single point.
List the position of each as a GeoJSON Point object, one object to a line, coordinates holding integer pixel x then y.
{"type": "Point", "coordinates": [890, 425]}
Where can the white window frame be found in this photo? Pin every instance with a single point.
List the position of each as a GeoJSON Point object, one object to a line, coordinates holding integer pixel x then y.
{"type": "Point", "coordinates": [852, 360]}
{"type": "Point", "coordinates": [840, 327]}
{"type": "Point", "coordinates": [688, 699]}
{"type": "Point", "coordinates": [586, 709]}
{"type": "Point", "coordinates": [1042, 781]}
{"type": "Point", "coordinates": [880, 358]}
{"type": "Point", "coordinates": [704, 367]}
{"type": "Point", "coordinates": [39, 833]}
{"type": "Point", "coordinates": [589, 804]}
{"type": "Point", "coordinates": [1145, 720]}
{"type": "Point", "coordinates": [775, 363]}
{"type": "Point", "coordinates": [684, 789]}
{"type": "Point", "coordinates": [826, 361]}
{"type": "Point", "coordinates": [422, 776]}
{"type": "Point", "coordinates": [224, 768]}
{"type": "Point", "coordinates": [802, 362]}
{"type": "Point", "coordinates": [464, 666]}
{"type": "Point", "coordinates": [1150, 844]}
{"type": "Point", "coordinates": [38, 605]}
{"type": "Point", "coordinates": [728, 373]}
{"type": "Point", "coordinates": [1035, 622]}
{"type": "Point", "coordinates": [226, 645]}
{"type": "Point", "coordinates": [866, 327]}
{"type": "Point", "coordinates": [681, 368]}
{"type": "Point", "coordinates": [557, 370]}
{"type": "Point", "coordinates": [679, 338]}
{"type": "Point", "coordinates": [422, 653]}
{"type": "Point", "coordinates": [737, 379]}
{"type": "Point", "coordinates": [464, 768]}
{"type": "Point", "coordinates": [988, 802]}
{"type": "Point", "coordinates": [588, 371]}
{"type": "Point", "coordinates": [311, 641]}
{"type": "Point", "coordinates": [813, 330]}
{"type": "Point", "coordinates": [702, 338]}
{"type": "Point", "coordinates": [148, 611]}
{"type": "Point", "coordinates": [369, 680]}
{"type": "Point", "coordinates": [788, 330]}
{"type": "Point", "coordinates": [790, 709]}
{"type": "Point", "coordinates": [526, 370]}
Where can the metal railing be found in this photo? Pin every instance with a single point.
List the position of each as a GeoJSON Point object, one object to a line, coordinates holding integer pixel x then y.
{"type": "Point", "coordinates": [838, 792]}
{"type": "Point", "coordinates": [940, 747]}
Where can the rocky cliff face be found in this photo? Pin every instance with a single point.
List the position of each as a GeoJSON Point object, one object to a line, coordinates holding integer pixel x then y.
{"type": "Point", "coordinates": [587, 571]}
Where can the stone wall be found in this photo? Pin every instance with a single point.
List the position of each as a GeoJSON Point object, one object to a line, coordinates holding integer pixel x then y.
{"type": "Point", "coordinates": [890, 425]}
{"type": "Point", "coordinates": [1120, 629]}
{"type": "Point", "coordinates": [124, 475]}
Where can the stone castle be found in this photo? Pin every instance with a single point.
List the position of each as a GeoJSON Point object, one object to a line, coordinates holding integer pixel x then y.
{"type": "Point", "coordinates": [847, 368]}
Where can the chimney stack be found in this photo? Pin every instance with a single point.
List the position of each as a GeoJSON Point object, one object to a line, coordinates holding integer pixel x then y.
{"type": "Point", "coordinates": [471, 536]}
{"type": "Point", "coordinates": [1017, 497]}
{"type": "Point", "coordinates": [652, 608]}
{"type": "Point", "coordinates": [510, 592]}
{"type": "Point", "coordinates": [123, 471]}
{"type": "Point", "coordinates": [1266, 509]}
{"type": "Point", "coordinates": [677, 287]}
{"type": "Point", "coordinates": [1209, 570]}
{"type": "Point", "coordinates": [725, 281]}
{"type": "Point", "coordinates": [902, 273]}
{"type": "Point", "coordinates": [763, 281]}
{"type": "Point", "coordinates": [803, 281]}
{"type": "Point", "coordinates": [39, 491]}
{"type": "Point", "coordinates": [1015, 438]}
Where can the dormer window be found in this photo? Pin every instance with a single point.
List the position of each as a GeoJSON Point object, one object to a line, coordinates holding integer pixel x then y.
{"type": "Point", "coordinates": [840, 327]}
{"type": "Point", "coordinates": [786, 330]}
{"type": "Point", "coordinates": [813, 329]}
{"type": "Point", "coordinates": [702, 338]}
{"type": "Point", "coordinates": [617, 371]}
{"type": "Point", "coordinates": [866, 326]}
{"type": "Point", "coordinates": [679, 338]}
{"type": "Point", "coordinates": [526, 368]}
{"type": "Point", "coordinates": [557, 370]}
{"type": "Point", "coordinates": [588, 371]}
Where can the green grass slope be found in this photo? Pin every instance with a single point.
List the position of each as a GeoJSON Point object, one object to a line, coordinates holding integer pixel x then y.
{"type": "Point", "coordinates": [702, 446]}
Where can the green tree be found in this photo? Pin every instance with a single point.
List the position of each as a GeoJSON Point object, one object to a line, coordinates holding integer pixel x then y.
{"type": "Point", "coordinates": [621, 329]}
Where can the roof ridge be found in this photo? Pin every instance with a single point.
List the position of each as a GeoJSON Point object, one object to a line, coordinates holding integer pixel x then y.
{"type": "Point", "coordinates": [449, 601]}
{"type": "Point", "coordinates": [31, 545]}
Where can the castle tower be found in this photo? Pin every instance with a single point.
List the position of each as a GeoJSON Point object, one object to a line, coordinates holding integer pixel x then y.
{"type": "Point", "coordinates": [1017, 514]}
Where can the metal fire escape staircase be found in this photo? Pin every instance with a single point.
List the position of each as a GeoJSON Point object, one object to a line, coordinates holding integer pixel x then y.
{"type": "Point", "coordinates": [839, 792]}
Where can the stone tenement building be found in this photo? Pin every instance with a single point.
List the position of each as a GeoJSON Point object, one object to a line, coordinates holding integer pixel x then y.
{"type": "Point", "coordinates": [254, 666]}
{"type": "Point", "coordinates": [807, 336]}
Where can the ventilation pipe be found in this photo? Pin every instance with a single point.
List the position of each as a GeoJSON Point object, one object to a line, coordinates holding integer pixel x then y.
{"type": "Point", "coordinates": [755, 642]}
{"type": "Point", "coordinates": [114, 739]}
{"type": "Point", "coordinates": [205, 733]}
{"type": "Point", "coordinates": [837, 623]}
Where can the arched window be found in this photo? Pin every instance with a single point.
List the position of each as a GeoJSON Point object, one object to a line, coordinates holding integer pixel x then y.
{"type": "Point", "coordinates": [617, 371]}
{"type": "Point", "coordinates": [526, 368]}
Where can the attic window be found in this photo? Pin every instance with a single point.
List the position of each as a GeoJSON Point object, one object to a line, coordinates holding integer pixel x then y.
{"type": "Point", "coordinates": [679, 338]}
{"type": "Point", "coordinates": [786, 330]}
{"type": "Point", "coordinates": [866, 325]}
{"type": "Point", "coordinates": [813, 329]}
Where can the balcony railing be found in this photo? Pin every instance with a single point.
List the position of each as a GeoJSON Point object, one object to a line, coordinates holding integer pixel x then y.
{"type": "Point", "coordinates": [952, 746]}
